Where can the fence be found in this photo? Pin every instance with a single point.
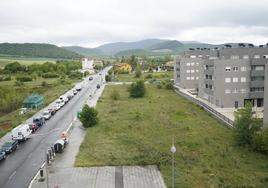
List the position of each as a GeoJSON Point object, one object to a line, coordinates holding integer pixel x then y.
{"type": "Point", "coordinates": [207, 108]}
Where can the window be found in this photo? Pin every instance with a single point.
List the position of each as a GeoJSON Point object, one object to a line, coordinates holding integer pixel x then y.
{"type": "Point", "coordinates": [192, 56]}
{"type": "Point", "coordinates": [197, 64]}
{"type": "Point", "coordinates": [259, 67]}
{"type": "Point", "coordinates": [243, 90]}
{"type": "Point", "coordinates": [196, 70]}
{"type": "Point", "coordinates": [257, 89]}
{"type": "Point", "coordinates": [235, 69]}
{"type": "Point", "coordinates": [265, 56]}
{"type": "Point", "coordinates": [235, 90]}
{"type": "Point", "coordinates": [245, 56]}
{"type": "Point", "coordinates": [256, 56]}
{"type": "Point", "coordinates": [192, 78]}
{"type": "Point", "coordinates": [192, 71]}
{"type": "Point", "coordinates": [243, 79]}
{"type": "Point", "coordinates": [243, 68]}
{"type": "Point", "coordinates": [188, 64]}
{"type": "Point", "coordinates": [192, 64]}
{"type": "Point", "coordinates": [234, 57]}
{"type": "Point", "coordinates": [235, 79]}
{"type": "Point", "coordinates": [187, 78]}
{"type": "Point", "coordinates": [227, 91]}
{"type": "Point", "coordinates": [228, 69]}
{"type": "Point", "coordinates": [227, 80]}
{"type": "Point", "coordinates": [197, 78]}
{"type": "Point", "coordinates": [200, 56]}
{"type": "Point", "coordinates": [188, 71]}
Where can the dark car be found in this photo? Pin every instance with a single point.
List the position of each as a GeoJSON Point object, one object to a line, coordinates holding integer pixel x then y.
{"type": "Point", "coordinates": [90, 78]}
{"type": "Point", "coordinates": [2, 155]}
{"type": "Point", "coordinates": [33, 127]}
{"type": "Point", "coordinates": [52, 111]}
{"type": "Point", "coordinates": [10, 146]}
{"type": "Point", "coordinates": [98, 86]}
{"type": "Point", "coordinates": [39, 121]}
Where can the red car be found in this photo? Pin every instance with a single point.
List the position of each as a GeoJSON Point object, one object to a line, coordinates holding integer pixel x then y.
{"type": "Point", "coordinates": [33, 127]}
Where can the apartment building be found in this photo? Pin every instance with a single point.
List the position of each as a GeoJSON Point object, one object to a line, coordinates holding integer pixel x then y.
{"type": "Point", "coordinates": [228, 77]}
{"type": "Point", "coordinates": [265, 113]}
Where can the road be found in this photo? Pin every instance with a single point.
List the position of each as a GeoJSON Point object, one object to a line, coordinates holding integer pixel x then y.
{"type": "Point", "coordinates": [21, 166]}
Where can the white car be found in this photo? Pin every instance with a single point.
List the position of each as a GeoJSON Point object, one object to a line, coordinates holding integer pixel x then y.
{"type": "Point", "coordinates": [60, 102]}
{"type": "Point", "coordinates": [78, 88]}
{"type": "Point", "coordinates": [74, 91]}
{"type": "Point", "coordinates": [46, 115]}
{"type": "Point", "coordinates": [56, 106]}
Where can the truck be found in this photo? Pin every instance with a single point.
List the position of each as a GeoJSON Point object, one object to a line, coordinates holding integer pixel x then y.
{"type": "Point", "coordinates": [21, 132]}
{"type": "Point", "coordinates": [39, 120]}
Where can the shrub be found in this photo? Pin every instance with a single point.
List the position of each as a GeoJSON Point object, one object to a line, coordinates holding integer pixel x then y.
{"type": "Point", "coordinates": [138, 71]}
{"type": "Point", "coordinates": [50, 75]}
{"type": "Point", "coordinates": [108, 78]}
{"type": "Point", "coordinates": [75, 75]}
{"type": "Point", "coordinates": [149, 76]}
{"type": "Point", "coordinates": [5, 78]}
{"type": "Point", "coordinates": [137, 89]}
{"type": "Point", "coordinates": [260, 142]}
{"type": "Point", "coordinates": [44, 83]}
{"type": "Point", "coordinates": [24, 78]}
{"type": "Point", "coordinates": [88, 116]}
{"type": "Point", "coordinates": [86, 73]}
{"type": "Point", "coordinates": [115, 95]}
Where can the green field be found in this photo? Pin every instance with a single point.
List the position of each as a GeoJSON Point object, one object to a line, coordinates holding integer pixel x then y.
{"type": "Point", "coordinates": [140, 132]}
{"type": "Point", "coordinates": [131, 77]}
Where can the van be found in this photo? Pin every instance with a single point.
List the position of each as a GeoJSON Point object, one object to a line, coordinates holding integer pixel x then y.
{"type": "Point", "coordinates": [21, 132]}
{"type": "Point", "coordinates": [39, 121]}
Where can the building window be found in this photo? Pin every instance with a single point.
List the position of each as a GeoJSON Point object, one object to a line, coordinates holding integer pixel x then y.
{"type": "Point", "coordinates": [228, 69]}
{"type": "Point", "coordinates": [192, 56]}
{"type": "Point", "coordinates": [234, 57]}
{"type": "Point", "coordinates": [196, 70]}
{"type": "Point", "coordinates": [258, 67]}
{"type": "Point", "coordinates": [243, 90]}
{"type": "Point", "coordinates": [188, 78]}
{"type": "Point", "coordinates": [200, 56]}
{"type": "Point", "coordinates": [235, 69]}
{"type": "Point", "coordinates": [257, 56]}
{"type": "Point", "coordinates": [235, 90]}
{"type": "Point", "coordinates": [192, 71]}
{"type": "Point", "coordinates": [243, 69]}
{"type": "Point", "coordinates": [192, 78]}
{"type": "Point", "coordinates": [206, 86]}
{"type": "Point", "coordinates": [227, 80]}
{"type": "Point", "coordinates": [257, 89]}
{"type": "Point", "coordinates": [188, 64]}
{"type": "Point", "coordinates": [245, 57]}
{"type": "Point", "coordinates": [197, 64]}
{"type": "Point", "coordinates": [197, 78]}
{"type": "Point", "coordinates": [235, 79]}
{"type": "Point", "coordinates": [227, 91]}
{"type": "Point", "coordinates": [192, 64]}
{"type": "Point", "coordinates": [188, 71]}
{"type": "Point", "coordinates": [265, 56]}
{"type": "Point", "coordinates": [243, 79]}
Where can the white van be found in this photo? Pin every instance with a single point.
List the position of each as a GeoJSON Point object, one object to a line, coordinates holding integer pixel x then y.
{"type": "Point", "coordinates": [21, 132]}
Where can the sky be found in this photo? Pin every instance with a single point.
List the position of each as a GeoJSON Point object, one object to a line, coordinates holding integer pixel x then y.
{"type": "Point", "coordinates": [91, 23]}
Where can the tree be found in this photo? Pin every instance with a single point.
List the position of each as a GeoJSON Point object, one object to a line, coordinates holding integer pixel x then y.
{"type": "Point", "coordinates": [88, 116]}
{"type": "Point", "coordinates": [138, 71]}
{"type": "Point", "coordinates": [246, 126]}
{"type": "Point", "coordinates": [137, 89]}
{"type": "Point", "coordinates": [133, 62]}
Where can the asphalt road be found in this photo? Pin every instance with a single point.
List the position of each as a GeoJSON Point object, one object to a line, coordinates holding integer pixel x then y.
{"type": "Point", "coordinates": [21, 165]}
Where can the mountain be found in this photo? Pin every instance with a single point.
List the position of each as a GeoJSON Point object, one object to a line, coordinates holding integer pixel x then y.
{"type": "Point", "coordinates": [171, 45]}
{"type": "Point", "coordinates": [84, 51]}
{"type": "Point", "coordinates": [113, 48]}
{"type": "Point", "coordinates": [37, 50]}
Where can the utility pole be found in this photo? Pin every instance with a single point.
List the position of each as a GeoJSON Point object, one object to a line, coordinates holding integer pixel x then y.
{"type": "Point", "coordinates": [173, 151]}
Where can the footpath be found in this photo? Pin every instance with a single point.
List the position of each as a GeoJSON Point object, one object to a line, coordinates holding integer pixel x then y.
{"type": "Point", "coordinates": [62, 173]}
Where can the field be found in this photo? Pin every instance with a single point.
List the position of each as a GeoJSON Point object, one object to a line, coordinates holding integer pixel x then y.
{"type": "Point", "coordinates": [145, 76]}
{"type": "Point", "coordinates": [140, 132]}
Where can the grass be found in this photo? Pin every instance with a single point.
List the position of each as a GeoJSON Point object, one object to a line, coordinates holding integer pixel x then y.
{"type": "Point", "coordinates": [50, 92]}
{"type": "Point", "coordinates": [145, 76]}
{"type": "Point", "coordinates": [140, 131]}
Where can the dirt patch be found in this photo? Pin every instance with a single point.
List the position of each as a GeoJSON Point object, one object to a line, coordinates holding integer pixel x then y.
{"type": "Point", "coordinates": [6, 125]}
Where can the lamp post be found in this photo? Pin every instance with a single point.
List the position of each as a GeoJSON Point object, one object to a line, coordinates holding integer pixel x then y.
{"type": "Point", "coordinates": [173, 151]}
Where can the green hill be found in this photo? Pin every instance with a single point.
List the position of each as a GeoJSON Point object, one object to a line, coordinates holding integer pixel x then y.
{"type": "Point", "coordinates": [84, 51]}
{"type": "Point", "coordinates": [37, 50]}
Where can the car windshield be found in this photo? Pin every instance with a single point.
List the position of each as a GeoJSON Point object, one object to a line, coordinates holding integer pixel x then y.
{"type": "Point", "coordinates": [46, 113]}
{"type": "Point", "coordinates": [7, 144]}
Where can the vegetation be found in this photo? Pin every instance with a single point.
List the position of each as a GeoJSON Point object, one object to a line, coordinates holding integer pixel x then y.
{"type": "Point", "coordinates": [37, 50]}
{"type": "Point", "coordinates": [139, 132]}
{"type": "Point", "coordinates": [137, 89]}
{"type": "Point", "coordinates": [115, 95]}
{"type": "Point", "coordinates": [88, 116]}
{"type": "Point", "coordinates": [138, 71]}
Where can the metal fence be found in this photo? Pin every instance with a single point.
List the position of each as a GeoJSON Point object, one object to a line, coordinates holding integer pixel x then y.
{"type": "Point", "coordinates": [207, 108]}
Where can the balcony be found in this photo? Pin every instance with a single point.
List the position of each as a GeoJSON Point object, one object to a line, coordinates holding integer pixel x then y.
{"type": "Point", "coordinates": [257, 73]}
{"type": "Point", "coordinates": [256, 94]}
{"type": "Point", "coordinates": [257, 83]}
{"type": "Point", "coordinates": [258, 61]}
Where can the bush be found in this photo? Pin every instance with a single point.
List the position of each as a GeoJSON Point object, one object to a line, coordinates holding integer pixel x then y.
{"type": "Point", "coordinates": [115, 95]}
{"type": "Point", "coordinates": [137, 89]}
{"type": "Point", "coordinates": [75, 75]}
{"type": "Point", "coordinates": [5, 78]}
{"type": "Point", "coordinates": [260, 141]}
{"type": "Point", "coordinates": [24, 78]}
{"type": "Point", "coordinates": [108, 78]}
{"type": "Point", "coordinates": [138, 71]}
{"type": "Point", "coordinates": [86, 73]}
{"type": "Point", "coordinates": [44, 83]}
{"type": "Point", "coordinates": [50, 75]}
{"type": "Point", "coordinates": [149, 76]}
{"type": "Point", "coordinates": [88, 116]}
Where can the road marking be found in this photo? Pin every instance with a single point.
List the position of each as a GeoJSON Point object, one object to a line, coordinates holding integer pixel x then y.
{"type": "Point", "coordinates": [13, 174]}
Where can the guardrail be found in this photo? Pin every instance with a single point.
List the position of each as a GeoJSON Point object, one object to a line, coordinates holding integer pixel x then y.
{"type": "Point", "coordinates": [207, 108]}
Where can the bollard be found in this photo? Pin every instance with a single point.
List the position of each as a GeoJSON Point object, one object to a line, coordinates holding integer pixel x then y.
{"type": "Point", "coordinates": [48, 160]}
{"type": "Point", "coordinates": [53, 151]}
{"type": "Point", "coordinates": [50, 154]}
{"type": "Point", "coordinates": [42, 173]}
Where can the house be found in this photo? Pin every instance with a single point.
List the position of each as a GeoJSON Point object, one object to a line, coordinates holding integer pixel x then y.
{"type": "Point", "coordinates": [33, 101]}
{"type": "Point", "coordinates": [122, 67]}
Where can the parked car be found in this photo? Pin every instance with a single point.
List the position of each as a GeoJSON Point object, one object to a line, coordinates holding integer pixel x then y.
{"type": "Point", "coordinates": [60, 102]}
{"type": "Point", "coordinates": [52, 110]}
{"type": "Point", "coordinates": [39, 120]}
{"type": "Point", "coordinates": [70, 95]}
{"type": "Point", "coordinates": [2, 155]}
{"type": "Point", "coordinates": [64, 99]}
{"type": "Point", "coordinates": [10, 146]}
{"type": "Point", "coordinates": [21, 132]}
{"type": "Point", "coordinates": [74, 91]}
{"type": "Point", "coordinates": [90, 78]}
{"type": "Point", "coordinates": [98, 86]}
{"type": "Point", "coordinates": [56, 106]}
{"type": "Point", "coordinates": [46, 114]}
{"type": "Point", "coordinates": [78, 88]}
{"type": "Point", "coordinates": [33, 127]}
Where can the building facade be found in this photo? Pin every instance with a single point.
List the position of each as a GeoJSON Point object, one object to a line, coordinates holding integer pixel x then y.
{"type": "Point", "coordinates": [265, 112]}
{"type": "Point", "coordinates": [228, 77]}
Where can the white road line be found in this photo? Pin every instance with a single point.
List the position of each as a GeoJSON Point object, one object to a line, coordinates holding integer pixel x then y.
{"type": "Point", "coordinates": [13, 174]}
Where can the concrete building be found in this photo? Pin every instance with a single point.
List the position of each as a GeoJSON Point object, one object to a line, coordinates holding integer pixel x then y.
{"type": "Point", "coordinates": [87, 64]}
{"type": "Point", "coordinates": [228, 77]}
{"type": "Point", "coordinates": [265, 113]}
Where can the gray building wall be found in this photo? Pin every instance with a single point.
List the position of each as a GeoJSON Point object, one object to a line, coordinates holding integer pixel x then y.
{"type": "Point", "coordinates": [265, 114]}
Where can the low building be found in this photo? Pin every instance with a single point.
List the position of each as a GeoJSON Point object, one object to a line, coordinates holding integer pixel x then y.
{"type": "Point", "coordinates": [122, 67]}
{"type": "Point", "coordinates": [87, 65]}
{"type": "Point", "coordinates": [265, 113]}
{"type": "Point", "coordinates": [33, 101]}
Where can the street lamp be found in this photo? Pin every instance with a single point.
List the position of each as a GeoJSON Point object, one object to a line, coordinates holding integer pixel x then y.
{"type": "Point", "coordinates": [173, 151]}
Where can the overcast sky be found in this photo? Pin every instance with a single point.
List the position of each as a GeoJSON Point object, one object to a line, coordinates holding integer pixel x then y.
{"type": "Point", "coordinates": [94, 22]}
